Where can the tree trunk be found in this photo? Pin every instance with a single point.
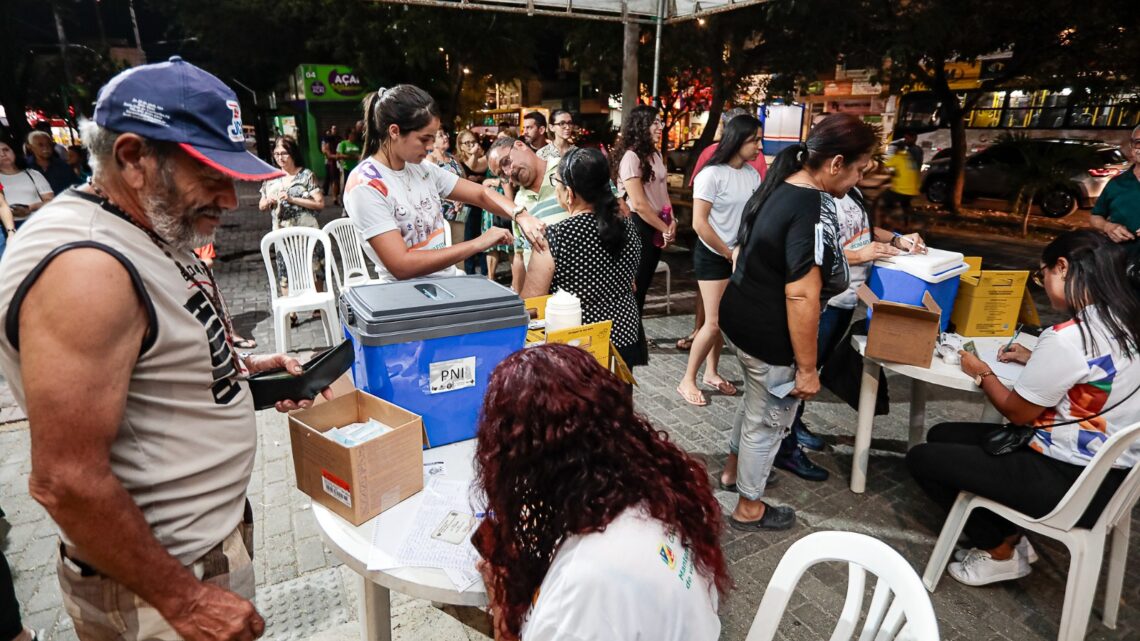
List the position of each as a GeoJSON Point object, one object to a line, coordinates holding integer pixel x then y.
{"type": "Point", "coordinates": [957, 160]}
{"type": "Point", "coordinates": [1028, 211]}
{"type": "Point", "coordinates": [629, 85]}
{"type": "Point", "coordinates": [721, 90]}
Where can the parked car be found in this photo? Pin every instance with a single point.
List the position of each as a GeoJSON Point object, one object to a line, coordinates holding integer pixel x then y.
{"type": "Point", "coordinates": [678, 159]}
{"type": "Point", "coordinates": [990, 174]}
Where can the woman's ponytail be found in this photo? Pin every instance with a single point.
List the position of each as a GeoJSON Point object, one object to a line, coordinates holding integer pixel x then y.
{"type": "Point", "coordinates": [787, 162]}
{"type": "Point", "coordinates": [586, 172]}
{"type": "Point", "coordinates": [371, 133]}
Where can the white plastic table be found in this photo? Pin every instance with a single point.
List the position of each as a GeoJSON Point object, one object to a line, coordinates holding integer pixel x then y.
{"type": "Point", "coordinates": [939, 373]}
{"type": "Point", "coordinates": [353, 545]}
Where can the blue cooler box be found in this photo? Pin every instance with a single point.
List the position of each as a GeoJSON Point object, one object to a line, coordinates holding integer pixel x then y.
{"type": "Point", "coordinates": [429, 346]}
{"type": "Point", "coordinates": [905, 278]}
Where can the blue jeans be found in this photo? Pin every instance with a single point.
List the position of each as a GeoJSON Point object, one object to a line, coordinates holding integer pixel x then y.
{"type": "Point", "coordinates": [833, 324]}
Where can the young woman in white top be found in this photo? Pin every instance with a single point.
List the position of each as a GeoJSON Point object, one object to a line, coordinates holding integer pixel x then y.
{"type": "Point", "coordinates": [395, 200]}
{"type": "Point", "coordinates": [598, 528]}
{"type": "Point", "coordinates": [1085, 369]}
{"type": "Point", "coordinates": [26, 190]}
{"type": "Point", "coordinates": [720, 191]}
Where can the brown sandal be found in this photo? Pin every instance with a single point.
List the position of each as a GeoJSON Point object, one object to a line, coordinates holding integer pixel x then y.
{"type": "Point", "coordinates": [686, 343]}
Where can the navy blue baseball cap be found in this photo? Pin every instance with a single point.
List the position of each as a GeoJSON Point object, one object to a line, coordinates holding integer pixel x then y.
{"type": "Point", "coordinates": [180, 103]}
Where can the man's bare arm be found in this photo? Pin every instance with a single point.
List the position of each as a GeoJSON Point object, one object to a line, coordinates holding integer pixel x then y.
{"type": "Point", "coordinates": [81, 328]}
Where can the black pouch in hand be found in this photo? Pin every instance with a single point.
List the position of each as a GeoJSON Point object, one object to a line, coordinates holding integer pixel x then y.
{"type": "Point", "coordinates": [275, 385]}
{"type": "Point", "coordinates": [1008, 438]}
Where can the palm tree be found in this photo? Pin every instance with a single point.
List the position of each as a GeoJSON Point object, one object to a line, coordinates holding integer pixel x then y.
{"type": "Point", "coordinates": [1047, 167]}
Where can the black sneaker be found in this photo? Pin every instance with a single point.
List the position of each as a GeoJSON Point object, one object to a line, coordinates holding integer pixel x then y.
{"type": "Point", "coordinates": [776, 517]}
{"type": "Point", "coordinates": [807, 438]}
{"type": "Point", "coordinates": [799, 464]}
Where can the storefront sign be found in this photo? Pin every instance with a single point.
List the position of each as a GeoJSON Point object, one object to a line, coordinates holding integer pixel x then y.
{"type": "Point", "coordinates": [326, 83]}
{"type": "Point", "coordinates": [866, 88]}
{"type": "Point", "coordinates": [837, 88]}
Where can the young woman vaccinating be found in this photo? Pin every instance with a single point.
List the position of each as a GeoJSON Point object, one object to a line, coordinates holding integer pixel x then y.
{"type": "Point", "coordinates": [1078, 388]}
{"type": "Point", "coordinates": [395, 200]}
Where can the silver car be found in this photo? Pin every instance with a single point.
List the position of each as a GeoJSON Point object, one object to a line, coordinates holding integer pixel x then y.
{"type": "Point", "coordinates": [990, 173]}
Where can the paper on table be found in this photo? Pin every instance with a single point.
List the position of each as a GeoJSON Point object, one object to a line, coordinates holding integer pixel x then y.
{"type": "Point", "coordinates": [441, 496]}
{"type": "Point", "coordinates": [462, 579]}
{"type": "Point", "coordinates": [988, 352]}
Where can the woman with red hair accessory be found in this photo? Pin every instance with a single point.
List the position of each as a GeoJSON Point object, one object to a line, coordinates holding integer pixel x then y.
{"type": "Point", "coordinates": [597, 527]}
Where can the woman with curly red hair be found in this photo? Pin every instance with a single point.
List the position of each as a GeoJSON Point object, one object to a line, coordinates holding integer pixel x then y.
{"type": "Point", "coordinates": [597, 526]}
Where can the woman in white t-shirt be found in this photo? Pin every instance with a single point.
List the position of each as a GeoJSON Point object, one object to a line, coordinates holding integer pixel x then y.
{"type": "Point", "coordinates": [395, 200]}
{"type": "Point", "coordinates": [1084, 369]}
{"type": "Point", "coordinates": [598, 528]}
{"type": "Point", "coordinates": [720, 191]}
{"type": "Point", "coordinates": [25, 189]}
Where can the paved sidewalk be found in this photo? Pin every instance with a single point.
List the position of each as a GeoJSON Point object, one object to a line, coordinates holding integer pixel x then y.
{"type": "Point", "coordinates": [305, 593]}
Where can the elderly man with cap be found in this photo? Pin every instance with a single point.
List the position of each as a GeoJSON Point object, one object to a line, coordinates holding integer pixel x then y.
{"type": "Point", "coordinates": [117, 344]}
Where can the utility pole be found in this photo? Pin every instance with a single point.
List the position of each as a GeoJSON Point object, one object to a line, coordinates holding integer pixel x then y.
{"type": "Point", "coordinates": [67, 77]}
{"type": "Point", "coordinates": [102, 31]}
{"type": "Point", "coordinates": [135, 25]}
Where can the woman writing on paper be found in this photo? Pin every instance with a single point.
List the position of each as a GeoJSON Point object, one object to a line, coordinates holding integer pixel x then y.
{"type": "Point", "coordinates": [596, 523]}
{"type": "Point", "coordinates": [1077, 389]}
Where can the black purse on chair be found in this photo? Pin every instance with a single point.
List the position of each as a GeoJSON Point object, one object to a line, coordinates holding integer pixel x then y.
{"type": "Point", "coordinates": [1011, 437]}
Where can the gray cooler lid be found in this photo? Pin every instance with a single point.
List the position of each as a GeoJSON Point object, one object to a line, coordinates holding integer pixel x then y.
{"type": "Point", "coordinates": [426, 308]}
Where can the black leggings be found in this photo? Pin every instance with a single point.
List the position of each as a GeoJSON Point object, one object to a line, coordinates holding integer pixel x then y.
{"type": "Point", "coordinates": [650, 255]}
{"type": "Point", "coordinates": [10, 624]}
{"type": "Point", "coordinates": [952, 460]}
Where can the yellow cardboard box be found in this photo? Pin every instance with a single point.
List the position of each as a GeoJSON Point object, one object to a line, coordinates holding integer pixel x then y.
{"type": "Point", "coordinates": [358, 482]}
{"type": "Point", "coordinates": [989, 302]}
{"type": "Point", "coordinates": [594, 338]}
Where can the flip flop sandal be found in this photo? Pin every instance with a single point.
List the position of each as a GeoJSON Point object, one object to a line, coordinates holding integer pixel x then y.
{"type": "Point", "coordinates": [725, 387]}
{"type": "Point", "coordinates": [245, 343]}
{"type": "Point", "coordinates": [685, 344]}
{"type": "Point", "coordinates": [698, 400]}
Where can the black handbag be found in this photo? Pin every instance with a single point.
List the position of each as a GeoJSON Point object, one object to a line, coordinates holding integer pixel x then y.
{"type": "Point", "coordinates": [843, 373]}
{"type": "Point", "coordinates": [1012, 437]}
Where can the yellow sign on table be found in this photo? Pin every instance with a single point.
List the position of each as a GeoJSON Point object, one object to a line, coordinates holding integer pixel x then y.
{"type": "Point", "coordinates": [594, 338]}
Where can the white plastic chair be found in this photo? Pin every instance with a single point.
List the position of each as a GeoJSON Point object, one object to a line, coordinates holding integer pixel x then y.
{"type": "Point", "coordinates": [908, 615]}
{"type": "Point", "coordinates": [663, 266]}
{"type": "Point", "coordinates": [353, 267]}
{"type": "Point", "coordinates": [1086, 546]}
{"type": "Point", "coordinates": [296, 246]}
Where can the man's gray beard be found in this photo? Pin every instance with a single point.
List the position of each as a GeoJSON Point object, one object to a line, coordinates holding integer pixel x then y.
{"type": "Point", "coordinates": [177, 228]}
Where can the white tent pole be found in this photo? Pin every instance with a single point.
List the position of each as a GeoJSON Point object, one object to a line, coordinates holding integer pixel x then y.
{"type": "Point", "coordinates": [657, 46]}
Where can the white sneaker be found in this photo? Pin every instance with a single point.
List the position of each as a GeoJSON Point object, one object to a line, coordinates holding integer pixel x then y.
{"type": "Point", "coordinates": [1023, 546]}
{"type": "Point", "coordinates": [979, 568]}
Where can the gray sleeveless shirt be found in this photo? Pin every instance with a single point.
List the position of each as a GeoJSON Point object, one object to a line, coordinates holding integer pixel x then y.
{"type": "Point", "coordinates": [185, 447]}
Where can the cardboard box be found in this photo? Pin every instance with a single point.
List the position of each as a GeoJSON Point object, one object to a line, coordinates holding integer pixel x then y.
{"type": "Point", "coordinates": [358, 482]}
{"type": "Point", "coordinates": [902, 333]}
{"type": "Point", "coordinates": [989, 302]}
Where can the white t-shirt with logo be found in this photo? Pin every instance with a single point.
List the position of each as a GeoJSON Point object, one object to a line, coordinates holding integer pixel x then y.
{"type": "Point", "coordinates": [634, 581]}
{"type": "Point", "coordinates": [855, 233]}
{"type": "Point", "coordinates": [1073, 382]}
{"type": "Point", "coordinates": [728, 190]}
{"type": "Point", "coordinates": [379, 200]}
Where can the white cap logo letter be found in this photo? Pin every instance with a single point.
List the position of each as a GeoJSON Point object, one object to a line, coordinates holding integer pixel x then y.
{"type": "Point", "coordinates": [235, 130]}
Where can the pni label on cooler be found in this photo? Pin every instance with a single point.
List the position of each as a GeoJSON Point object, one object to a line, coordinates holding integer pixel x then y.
{"type": "Point", "coordinates": [448, 376]}
{"type": "Point", "coordinates": [336, 488]}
